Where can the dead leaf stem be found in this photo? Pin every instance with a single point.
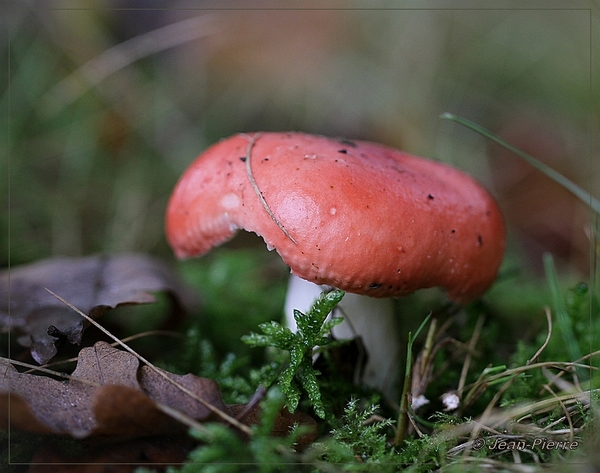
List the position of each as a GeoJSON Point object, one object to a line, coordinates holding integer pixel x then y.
{"type": "Point", "coordinates": [469, 356]}
{"type": "Point", "coordinates": [41, 369]}
{"type": "Point", "coordinates": [541, 349]}
{"type": "Point", "coordinates": [149, 333]}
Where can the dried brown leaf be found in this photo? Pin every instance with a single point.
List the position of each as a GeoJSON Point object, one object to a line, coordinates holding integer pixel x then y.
{"type": "Point", "coordinates": [110, 395]}
{"type": "Point", "coordinates": [94, 284]}
{"type": "Point", "coordinates": [103, 397]}
{"type": "Point", "coordinates": [127, 412]}
{"type": "Point", "coordinates": [168, 394]}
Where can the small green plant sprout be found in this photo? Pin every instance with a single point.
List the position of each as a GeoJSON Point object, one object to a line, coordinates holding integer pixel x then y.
{"type": "Point", "coordinates": [363, 432]}
{"type": "Point", "coordinates": [222, 450]}
{"type": "Point", "coordinates": [312, 330]}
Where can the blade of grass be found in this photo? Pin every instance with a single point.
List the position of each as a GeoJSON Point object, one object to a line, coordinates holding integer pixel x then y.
{"type": "Point", "coordinates": [563, 322]}
{"type": "Point", "coordinates": [577, 191]}
{"type": "Point", "coordinates": [402, 428]}
{"type": "Point", "coordinates": [223, 415]}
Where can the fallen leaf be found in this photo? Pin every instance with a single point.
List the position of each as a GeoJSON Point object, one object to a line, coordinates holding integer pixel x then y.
{"type": "Point", "coordinates": [103, 397]}
{"type": "Point", "coordinates": [109, 395]}
{"type": "Point", "coordinates": [93, 284]}
{"type": "Point", "coordinates": [168, 394]}
{"type": "Point", "coordinates": [127, 412]}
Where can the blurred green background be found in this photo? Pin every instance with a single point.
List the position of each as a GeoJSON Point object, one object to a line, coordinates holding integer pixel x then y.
{"type": "Point", "coordinates": [105, 103]}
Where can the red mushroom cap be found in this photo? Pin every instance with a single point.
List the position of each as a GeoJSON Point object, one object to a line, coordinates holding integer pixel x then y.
{"type": "Point", "coordinates": [354, 215]}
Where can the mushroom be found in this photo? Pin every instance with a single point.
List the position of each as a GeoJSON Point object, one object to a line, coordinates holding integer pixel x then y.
{"type": "Point", "coordinates": [354, 215]}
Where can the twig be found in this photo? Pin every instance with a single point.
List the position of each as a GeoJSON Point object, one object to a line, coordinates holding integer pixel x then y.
{"type": "Point", "coordinates": [41, 369]}
{"type": "Point", "coordinates": [541, 349]}
{"type": "Point", "coordinates": [113, 344]}
{"type": "Point", "coordinates": [565, 410]}
{"type": "Point", "coordinates": [124, 54]}
{"type": "Point", "coordinates": [403, 411]}
{"type": "Point", "coordinates": [223, 415]}
{"type": "Point", "coordinates": [252, 403]}
{"type": "Point", "coordinates": [177, 415]}
{"type": "Point", "coordinates": [469, 356]}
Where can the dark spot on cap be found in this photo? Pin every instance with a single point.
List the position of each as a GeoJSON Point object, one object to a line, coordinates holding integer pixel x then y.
{"type": "Point", "coordinates": [343, 151]}
{"type": "Point", "coordinates": [430, 197]}
{"type": "Point", "coordinates": [374, 285]}
{"type": "Point", "coordinates": [479, 240]}
{"type": "Point", "coordinates": [243, 159]}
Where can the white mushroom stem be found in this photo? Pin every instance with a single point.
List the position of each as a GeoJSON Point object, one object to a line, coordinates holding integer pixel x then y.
{"type": "Point", "coordinates": [370, 319]}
